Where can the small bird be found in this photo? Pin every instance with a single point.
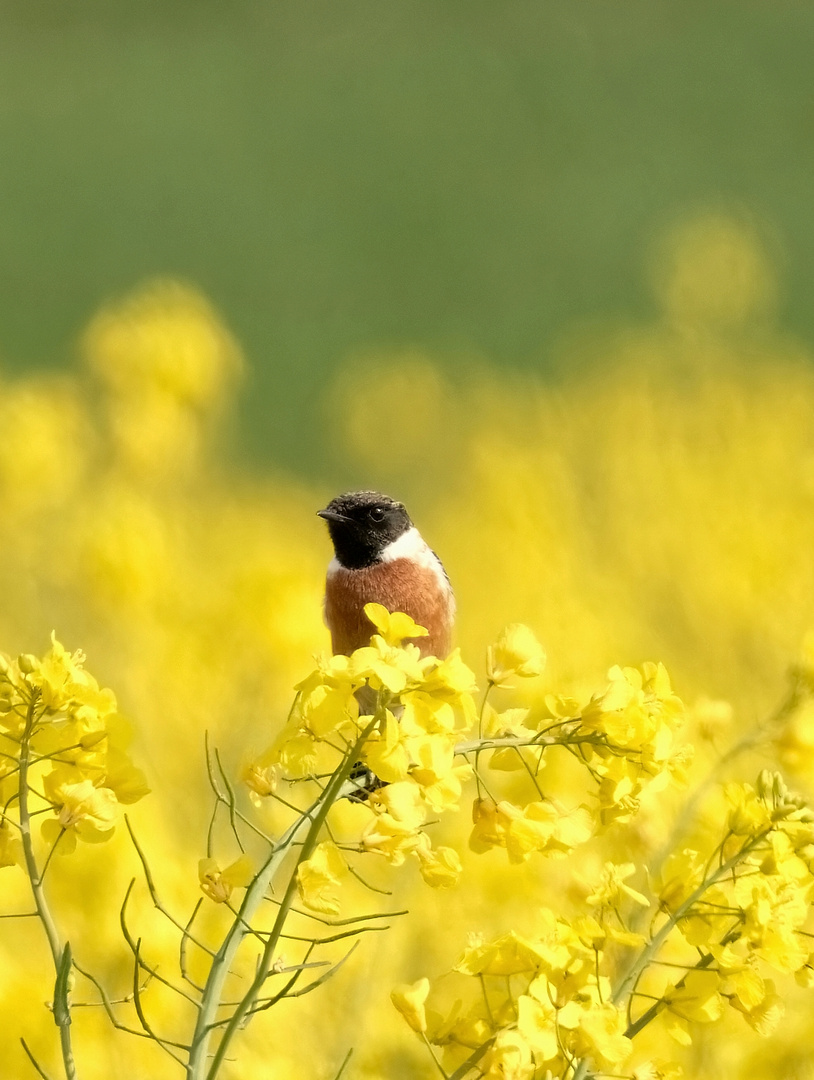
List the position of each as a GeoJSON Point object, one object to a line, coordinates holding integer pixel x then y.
{"type": "Point", "coordinates": [381, 557]}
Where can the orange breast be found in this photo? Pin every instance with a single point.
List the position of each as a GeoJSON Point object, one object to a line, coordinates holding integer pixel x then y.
{"type": "Point", "coordinates": [398, 585]}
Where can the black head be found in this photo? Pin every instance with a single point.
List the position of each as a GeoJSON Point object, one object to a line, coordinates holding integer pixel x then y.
{"type": "Point", "coordinates": [362, 524]}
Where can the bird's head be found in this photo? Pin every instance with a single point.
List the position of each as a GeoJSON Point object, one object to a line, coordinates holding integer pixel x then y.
{"type": "Point", "coordinates": [362, 524]}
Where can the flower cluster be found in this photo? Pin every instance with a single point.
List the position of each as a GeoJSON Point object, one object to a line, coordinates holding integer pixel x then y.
{"type": "Point", "coordinates": [533, 1003]}
{"type": "Point", "coordinates": [625, 737]}
{"type": "Point", "coordinates": [404, 715]}
{"type": "Point", "coordinates": [570, 999]}
{"type": "Point", "coordinates": [58, 724]}
{"type": "Point", "coordinates": [407, 724]}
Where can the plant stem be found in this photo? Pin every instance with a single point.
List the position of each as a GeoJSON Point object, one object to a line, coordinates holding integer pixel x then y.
{"type": "Point", "coordinates": [313, 820]}
{"type": "Point", "coordinates": [62, 1015]}
{"type": "Point", "coordinates": [650, 951]}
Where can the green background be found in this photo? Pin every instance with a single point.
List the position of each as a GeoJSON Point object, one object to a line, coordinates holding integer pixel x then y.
{"type": "Point", "coordinates": [468, 177]}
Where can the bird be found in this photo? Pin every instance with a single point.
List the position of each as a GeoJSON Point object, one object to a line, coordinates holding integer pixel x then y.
{"type": "Point", "coordinates": [380, 557]}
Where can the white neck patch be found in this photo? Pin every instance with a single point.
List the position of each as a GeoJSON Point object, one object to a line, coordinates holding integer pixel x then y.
{"type": "Point", "coordinates": [412, 545]}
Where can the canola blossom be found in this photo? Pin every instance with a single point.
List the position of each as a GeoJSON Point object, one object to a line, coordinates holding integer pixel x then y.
{"type": "Point", "coordinates": [673, 949]}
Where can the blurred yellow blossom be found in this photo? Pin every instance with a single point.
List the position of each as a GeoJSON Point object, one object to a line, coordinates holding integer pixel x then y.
{"type": "Point", "coordinates": [611, 889]}
{"type": "Point", "coordinates": [440, 867]}
{"type": "Point", "coordinates": [516, 652]}
{"type": "Point", "coordinates": [409, 999]}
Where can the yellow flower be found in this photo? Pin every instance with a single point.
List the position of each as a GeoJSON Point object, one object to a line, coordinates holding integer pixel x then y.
{"type": "Point", "coordinates": [127, 783]}
{"type": "Point", "coordinates": [698, 1000]}
{"type": "Point", "coordinates": [440, 867]}
{"type": "Point", "coordinates": [764, 1016]}
{"type": "Point", "coordinates": [516, 652]}
{"type": "Point", "coordinates": [532, 828]}
{"type": "Point", "coordinates": [774, 910]}
{"type": "Point", "coordinates": [509, 954]}
{"type": "Point", "coordinates": [601, 1036]}
{"type": "Point", "coordinates": [409, 999]}
{"type": "Point", "coordinates": [749, 814]}
{"type": "Point", "coordinates": [445, 794]}
{"type": "Point", "coordinates": [538, 826]}
{"type": "Point", "coordinates": [433, 758]}
{"type": "Point", "coordinates": [449, 679]}
{"type": "Point", "coordinates": [92, 812]}
{"type": "Point", "coordinates": [323, 708]}
{"type": "Point", "coordinates": [611, 889]}
{"type": "Point", "coordinates": [219, 884]}
{"type": "Point", "coordinates": [486, 833]}
{"type": "Point", "coordinates": [680, 876]}
{"type": "Point", "coordinates": [535, 1022]}
{"type": "Point", "coordinates": [510, 1058]}
{"type": "Point", "coordinates": [496, 724]}
{"type": "Point", "coordinates": [400, 812]}
{"type": "Point", "coordinates": [298, 754]}
{"type": "Point", "coordinates": [261, 780]}
{"type": "Point", "coordinates": [319, 877]}
{"type": "Point", "coordinates": [395, 626]}
{"type": "Point", "coordinates": [386, 666]}
{"type": "Point", "coordinates": [387, 751]}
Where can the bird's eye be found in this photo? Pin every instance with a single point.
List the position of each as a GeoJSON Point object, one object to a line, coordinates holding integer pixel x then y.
{"type": "Point", "coordinates": [377, 513]}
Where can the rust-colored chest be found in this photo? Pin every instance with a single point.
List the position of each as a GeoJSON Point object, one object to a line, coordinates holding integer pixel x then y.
{"type": "Point", "coordinates": [398, 585]}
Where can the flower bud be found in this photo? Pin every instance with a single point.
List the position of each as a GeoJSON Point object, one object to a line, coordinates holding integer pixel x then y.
{"type": "Point", "coordinates": [27, 663]}
{"type": "Point", "coordinates": [93, 738]}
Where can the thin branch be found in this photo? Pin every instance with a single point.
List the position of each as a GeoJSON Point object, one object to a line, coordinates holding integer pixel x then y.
{"type": "Point", "coordinates": [337, 937]}
{"type": "Point", "coordinates": [135, 947]}
{"type": "Point", "coordinates": [50, 854]}
{"type": "Point", "coordinates": [434, 1056]}
{"type": "Point", "coordinates": [373, 888]}
{"type": "Point", "coordinates": [266, 1002]}
{"type": "Point", "coordinates": [165, 1044]}
{"type": "Point", "coordinates": [107, 1004]}
{"type": "Point", "coordinates": [182, 948]}
{"type": "Point", "coordinates": [231, 802]}
{"type": "Point", "coordinates": [344, 1064]}
{"type": "Point", "coordinates": [34, 1061]}
{"type": "Point", "coordinates": [148, 877]}
{"type": "Point", "coordinates": [471, 1061]}
{"type": "Point", "coordinates": [328, 974]}
{"type": "Point", "coordinates": [343, 922]}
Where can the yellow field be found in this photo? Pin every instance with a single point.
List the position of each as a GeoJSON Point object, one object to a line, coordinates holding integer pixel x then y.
{"type": "Point", "coordinates": [655, 503]}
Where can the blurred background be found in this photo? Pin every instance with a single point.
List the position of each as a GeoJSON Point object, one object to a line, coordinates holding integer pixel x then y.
{"type": "Point", "coordinates": [540, 270]}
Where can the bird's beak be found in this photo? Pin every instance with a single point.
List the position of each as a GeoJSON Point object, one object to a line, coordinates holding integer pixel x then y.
{"type": "Point", "coordinates": [332, 515]}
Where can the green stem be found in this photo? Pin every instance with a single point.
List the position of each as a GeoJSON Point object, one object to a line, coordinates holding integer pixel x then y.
{"type": "Point", "coordinates": [479, 742]}
{"type": "Point", "coordinates": [59, 954]}
{"type": "Point", "coordinates": [650, 951]}
{"type": "Point", "coordinates": [313, 820]}
{"type": "Point", "coordinates": [634, 1028]}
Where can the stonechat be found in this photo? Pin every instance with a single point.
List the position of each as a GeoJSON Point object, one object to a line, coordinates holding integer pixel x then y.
{"type": "Point", "coordinates": [380, 557]}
